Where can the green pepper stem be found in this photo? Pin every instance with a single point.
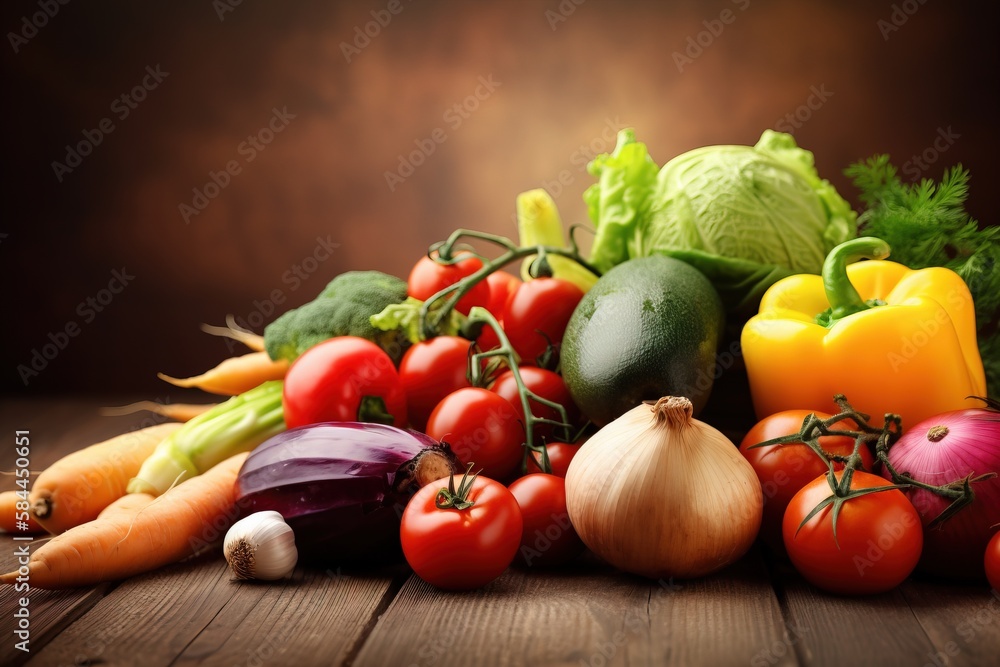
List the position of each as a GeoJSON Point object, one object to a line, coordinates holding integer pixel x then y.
{"type": "Point", "coordinates": [843, 297]}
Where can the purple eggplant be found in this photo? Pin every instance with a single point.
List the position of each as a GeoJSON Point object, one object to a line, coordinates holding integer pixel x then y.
{"type": "Point", "coordinates": [342, 486]}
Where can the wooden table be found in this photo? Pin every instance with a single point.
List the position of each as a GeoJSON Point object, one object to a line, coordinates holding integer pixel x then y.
{"type": "Point", "coordinates": [758, 612]}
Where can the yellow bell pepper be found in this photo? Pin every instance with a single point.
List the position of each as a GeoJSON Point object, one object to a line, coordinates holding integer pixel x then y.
{"type": "Point", "coordinates": [889, 338]}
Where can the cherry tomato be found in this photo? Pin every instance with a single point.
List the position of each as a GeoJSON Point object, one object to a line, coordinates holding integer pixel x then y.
{"type": "Point", "coordinates": [343, 379]}
{"type": "Point", "coordinates": [461, 549]}
{"type": "Point", "coordinates": [482, 428]}
{"type": "Point", "coordinates": [878, 543]}
{"type": "Point", "coordinates": [502, 285]}
{"type": "Point", "coordinates": [549, 538]}
{"type": "Point", "coordinates": [548, 385]}
{"type": "Point", "coordinates": [992, 562]}
{"type": "Point", "coordinates": [428, 277]}
{"type": "Point", "coordinates": [784, 469]}
{"type": "Point", "coordinates": [560, 454]}
{"type": "Point", "coordinates": [429, 371]}
{"type": "Point", "coordinates": [537, 313]}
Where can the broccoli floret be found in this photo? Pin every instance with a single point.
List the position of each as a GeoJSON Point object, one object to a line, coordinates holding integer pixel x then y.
{"type": "Point", "coordinates": [343, 308]}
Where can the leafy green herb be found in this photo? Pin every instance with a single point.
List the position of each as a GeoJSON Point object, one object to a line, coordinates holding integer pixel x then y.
{"type": "Point", "coordinates": [926, 224]}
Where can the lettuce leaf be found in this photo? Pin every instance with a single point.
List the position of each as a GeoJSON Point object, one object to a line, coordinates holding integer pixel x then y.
{"type": "Point", "coordinates": [744, 216]}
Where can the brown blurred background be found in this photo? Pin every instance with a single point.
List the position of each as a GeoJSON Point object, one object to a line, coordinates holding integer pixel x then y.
{"type": "Point", "coordinates": [541, 87]}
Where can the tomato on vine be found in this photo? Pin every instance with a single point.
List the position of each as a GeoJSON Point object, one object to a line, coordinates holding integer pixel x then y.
{"type": "Point", "coordinates": [343, 379]}
{"type": "Point", "coordinates": [481, 427]}
{"type": "Point", "coordinates": [429, 371]}
{"type": "Point", "coordinates": [428, 277]}
{"type": "Point", "coordinates": [536, 315]}
{"type": "Point", "coordinates": [560, 454]}
{"type": "Point", "coordinates": [548, 538]}
{"type": "Point", "coordinates": [784, 469]}
{"type": "Point", "coordinates": [546, 384]}
{"type": "Point", "coordinates": [877, 542]}
{"type": "Point", "coordinates": [460, 539]}
{"type": "Point", "coordinates": [502, 285]}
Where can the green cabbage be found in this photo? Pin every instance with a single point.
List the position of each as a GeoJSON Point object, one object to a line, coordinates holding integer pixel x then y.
{"type": "Point", "coordinates": [744, 216]}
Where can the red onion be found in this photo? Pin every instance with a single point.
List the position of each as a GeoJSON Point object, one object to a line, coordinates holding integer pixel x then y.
{"type": "Point", "coordinates": [342, 486]}
{"type": "Point", "coordinates": [941, 450]}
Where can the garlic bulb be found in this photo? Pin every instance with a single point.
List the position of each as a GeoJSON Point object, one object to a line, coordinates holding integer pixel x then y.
{"type": "Point", "coordinates": [660, 494]}
{"type": "Point", "coordinates": [261, 546]}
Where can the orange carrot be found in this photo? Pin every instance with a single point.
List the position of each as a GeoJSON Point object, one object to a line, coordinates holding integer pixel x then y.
{"type": "Point", "coordinates": [130, 540]}
{"type": "Point", "coordinates": [77, 487]}
{"type": "Point", "coordinates": [181, 412]}
{"type": "Point", "coordinates": [235, 375]}
{"type": "Point", "coordinates": [9, 512]}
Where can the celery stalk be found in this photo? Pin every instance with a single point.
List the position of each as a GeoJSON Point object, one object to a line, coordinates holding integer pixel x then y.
{"type": "Point", "coordinates": [237, 425]}
{"type": "Point", "coordinates": [538, 223]}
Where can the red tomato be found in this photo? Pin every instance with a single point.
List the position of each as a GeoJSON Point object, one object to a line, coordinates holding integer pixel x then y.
{"type": "Point", "coordinates": [548, 385]}
{"type": "Point", "coordinates": [429, 277]}
{"type": "Point", "coordinates": [560, 454]}
{"type": "Point", "coordinates": [431, 370]}
{"type": "Point", "coordinates": [461, 549]}
{"type": "Point", "coordinates": [537, 314]}
{"type": "Point", "coordinates": [502, 285]}
{"type": "Point", "coordinates": [784, 469]}
{"type": "Point", "coordinates": [482, 428]}
{"type": "Point", "coordinates": [992, 562]}
{"type": "Point", "coordinates": [548, 538]}
{"type": "Point", "coordinates": [879, 538]}
{"type": "Point", "coordinates": [343, 379]}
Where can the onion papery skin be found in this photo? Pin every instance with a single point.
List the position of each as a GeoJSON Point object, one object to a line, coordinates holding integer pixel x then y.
{"type": "Point", "coordinates": [340, 486]}
{"type": "Point", "coordinates": [682, 509]}
{"type": "Point", "coordinates": [971, 446]}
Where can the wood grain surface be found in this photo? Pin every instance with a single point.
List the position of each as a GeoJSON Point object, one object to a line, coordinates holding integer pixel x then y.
{"type": "Point", "coordinates": [758, 612]}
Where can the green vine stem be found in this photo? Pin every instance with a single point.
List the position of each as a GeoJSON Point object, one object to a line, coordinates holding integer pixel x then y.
{"type": "Point", "coordinates": [481, 316]}
{"type": "Point", "coordinates": [959, 492]}
{"type": "Point", "coordinates": [429, 321]}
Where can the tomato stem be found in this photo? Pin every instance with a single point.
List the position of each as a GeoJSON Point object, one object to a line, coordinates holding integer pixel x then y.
{"type": "Point", "coordinates": [450, 499]}
{"type": "Point", "coordinates": [481, 316]}
{"type": "Point", "coordinates": [960, 491]}
{"type": "Point", "coordinates": [429, 321]}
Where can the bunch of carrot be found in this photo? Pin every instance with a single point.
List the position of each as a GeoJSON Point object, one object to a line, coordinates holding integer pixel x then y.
{"type": "Point", "coordinates": [104, 533]}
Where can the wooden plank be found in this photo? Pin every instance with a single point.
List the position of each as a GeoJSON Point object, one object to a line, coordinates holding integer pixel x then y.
{"type": "Point", "coordinates": [835, 630]}
{"type": "Point", "coordinates": [318, 617]}
{"type": "Point", "coordinates": [962, 621]}
{"type": "Point", "coordinates": [56, 428]}
{"type": "Point", "coordinates": [585, 614]}
{"type": "Point", "coordinates": [192, 613]}
{"type": "Point", "coordinates": [49, 613]}
{"type": "Point", "coordinates": [147, 620]}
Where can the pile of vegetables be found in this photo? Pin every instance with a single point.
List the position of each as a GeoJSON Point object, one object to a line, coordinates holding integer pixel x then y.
{"type": "Point", "coordinates": [518, 403]}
